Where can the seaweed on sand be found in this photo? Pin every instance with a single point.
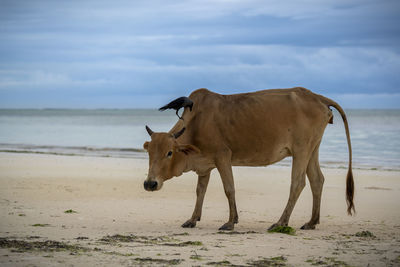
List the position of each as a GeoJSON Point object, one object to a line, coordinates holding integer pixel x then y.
{"type": "Point", "coordinates": [366, 234]}
{"type": "Point", "coordinates": [158, 261]}
{"type": "Point", "coordinates": [283, 230]}
{"type": "Point", "coordinates": [47, 246]}
{"type": "Point", "coordinates": [160, 240]}
{"type": "Point", "coordinates": [274, 261]}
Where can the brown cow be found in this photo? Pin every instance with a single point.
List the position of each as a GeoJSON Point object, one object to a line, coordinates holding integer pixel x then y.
{"type": "Point", "coordinates": [251, 129]}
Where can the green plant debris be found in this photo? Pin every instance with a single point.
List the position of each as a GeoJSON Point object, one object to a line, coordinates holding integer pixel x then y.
{"type": "Point", "coordinates": [70, 211]}
{"type": "Point", "coordinates": [159, 261]}
{"type": "Point", "coordinates": [182, 244]}
{"type": "Point", "coordinates": [283, 230]}
{"type": "Point", "coordinates": [274, 261]}
{"type": "Point", "coordinates": [190, 243]}
{"type": "Point", "coordinates": [47, 246]}
{"type": "Point", "coordinates": [235, 232]}
{"type": "Point", "coordinates": [327, 261]}
{"type": "Point", "coordinates": [160, 240]}
{"type": "Point", "coordinates": [316, 262]}
{"type": "Point", "coordinates": [120, 238]}
{"type": "Point", "coordinates": [40, 225]}
{"type": "Point", "coordinates": [367, 234]}
{"type": "Point", "coordinates": [220, 263]}
{"type": "Point", "coordinates": [22, 215]}
{"type": "Point", "coordinates": [347, 236]}
{"type": "Point", "coordinates": [196, 257]}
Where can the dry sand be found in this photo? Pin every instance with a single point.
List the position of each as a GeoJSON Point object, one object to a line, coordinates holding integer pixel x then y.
{"type": "Point", "coordinates": [118, 223]}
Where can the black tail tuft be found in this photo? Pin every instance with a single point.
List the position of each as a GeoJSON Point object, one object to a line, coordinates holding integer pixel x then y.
{"type": "Point", "coordinates": [350, 193]}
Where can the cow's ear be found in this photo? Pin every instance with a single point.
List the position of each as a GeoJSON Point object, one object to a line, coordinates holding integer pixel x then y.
{"type": "Point", "coordinates": [188, 149]}
{"type": "Point", "coordinates": [146, 145]}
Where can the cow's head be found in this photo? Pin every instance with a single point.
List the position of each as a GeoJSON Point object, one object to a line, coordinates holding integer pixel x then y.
{"type": "Point", "coordinates": [167, 158]}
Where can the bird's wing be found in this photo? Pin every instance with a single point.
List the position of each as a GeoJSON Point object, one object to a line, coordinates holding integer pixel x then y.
{"type": "Point", "coordinates": [175, 104]}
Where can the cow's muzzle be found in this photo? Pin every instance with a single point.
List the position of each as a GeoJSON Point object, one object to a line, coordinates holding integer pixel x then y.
{"type": "Point", "coordinates": [150, 185]}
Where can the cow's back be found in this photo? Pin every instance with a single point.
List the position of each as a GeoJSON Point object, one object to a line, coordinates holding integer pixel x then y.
{"type": "Point", "coordinates": [259, 128]}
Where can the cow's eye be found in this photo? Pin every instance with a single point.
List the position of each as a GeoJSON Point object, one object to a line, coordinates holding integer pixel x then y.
{"type": "Point", "coordinates": [169, 154]}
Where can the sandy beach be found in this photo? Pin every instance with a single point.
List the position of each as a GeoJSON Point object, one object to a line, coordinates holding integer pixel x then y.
{"type": "Point", "coordinates": [93, 211]}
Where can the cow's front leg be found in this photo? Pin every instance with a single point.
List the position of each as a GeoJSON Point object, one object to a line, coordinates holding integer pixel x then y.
{"type": "Point", "coordinates": [201, 189]}
{"type": "Point", "coordinates": [225, 169]}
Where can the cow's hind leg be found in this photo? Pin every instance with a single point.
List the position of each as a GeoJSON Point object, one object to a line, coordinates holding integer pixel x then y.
{"type": "Point", "coordinates": [201, 189]}
{"type": "Point", "coordinates": [298, 182]}
{"type": "Point", "coordinates": [316, 179]}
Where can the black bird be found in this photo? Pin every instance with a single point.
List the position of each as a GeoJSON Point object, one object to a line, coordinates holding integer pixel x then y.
{"type": "Point", "coordinates": [177, 104]}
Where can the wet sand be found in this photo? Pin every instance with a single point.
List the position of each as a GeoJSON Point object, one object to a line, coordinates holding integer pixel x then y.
{"type": "Point", "coordinates": [88, 211]}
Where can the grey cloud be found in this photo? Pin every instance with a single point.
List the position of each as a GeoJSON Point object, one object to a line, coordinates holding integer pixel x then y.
{"type": "Point", "coordinates": [96, 49]}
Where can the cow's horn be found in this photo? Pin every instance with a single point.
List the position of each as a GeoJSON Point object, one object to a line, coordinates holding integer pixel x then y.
{"type": "Point", "coordinates": [149, 130]}
{"type": "Point", "coordinates": [179, 133]}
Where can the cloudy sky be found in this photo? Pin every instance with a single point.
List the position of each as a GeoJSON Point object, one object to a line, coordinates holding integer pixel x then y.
{"type": "Point", "coordinates": [141, 54]}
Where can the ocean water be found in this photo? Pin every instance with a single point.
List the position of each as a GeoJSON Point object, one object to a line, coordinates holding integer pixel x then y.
{"type": "Point", "coordinates": [375, 134]}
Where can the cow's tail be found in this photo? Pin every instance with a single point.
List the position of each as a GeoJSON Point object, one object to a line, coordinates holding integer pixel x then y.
{"type": "Point", "coordinates": [349, 179]}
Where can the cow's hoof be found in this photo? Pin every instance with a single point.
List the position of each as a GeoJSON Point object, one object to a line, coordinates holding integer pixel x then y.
{"type": "Point", "coordinates": [189, 224]}
{"type": "Point", "coordinates": [308, 226]}
{"type": "Point", "coordinates": [227, 227]}
{"type": "Point", "coordinates": [276, 225]}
